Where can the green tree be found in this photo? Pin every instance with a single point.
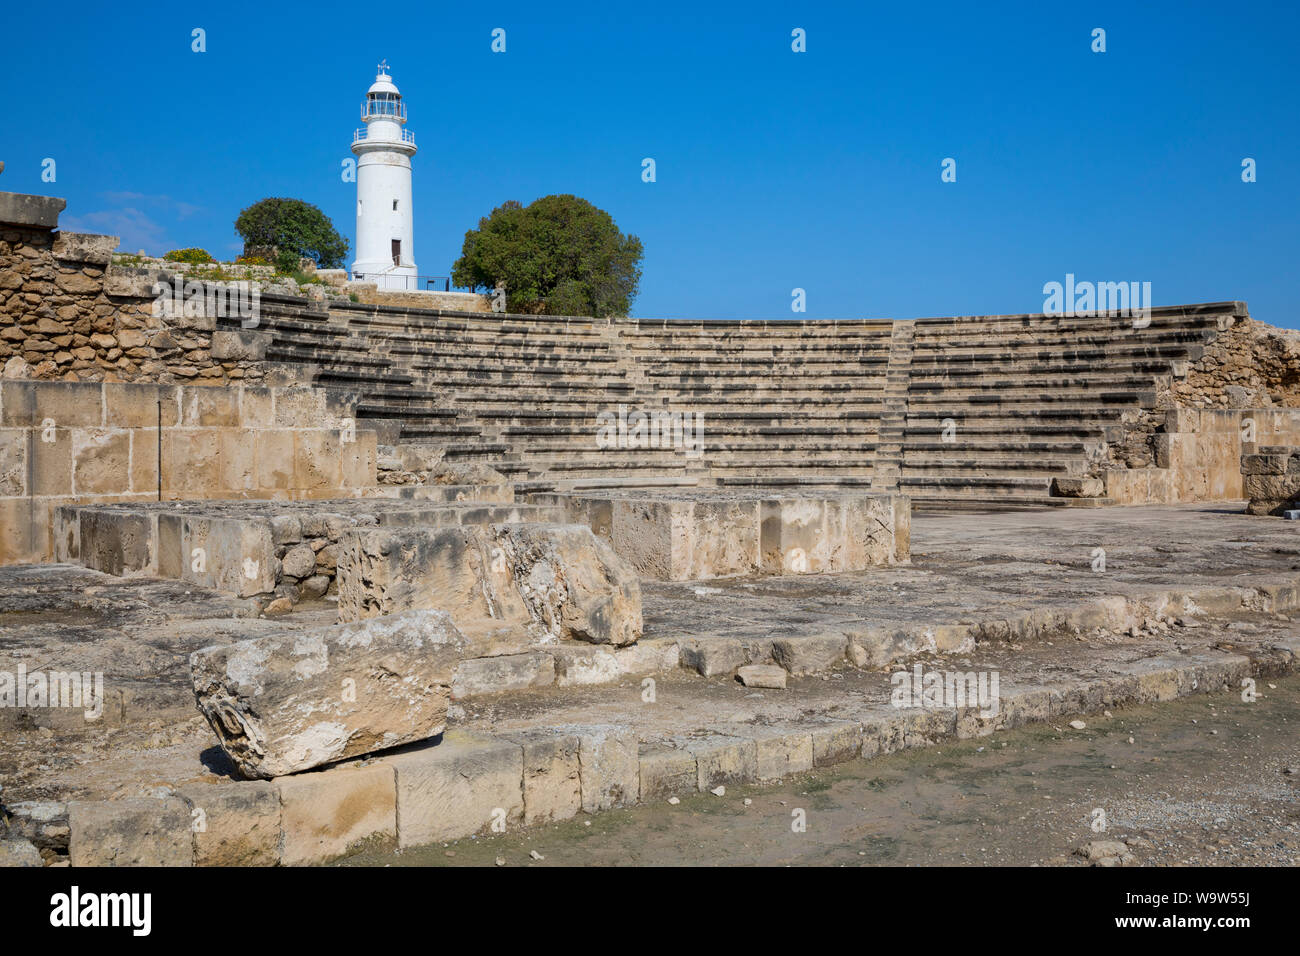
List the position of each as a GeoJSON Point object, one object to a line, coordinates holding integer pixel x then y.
{"type": "Point", "coordinates": [290, 229]}
{"type": "Point", "coordinates": [559, 255]}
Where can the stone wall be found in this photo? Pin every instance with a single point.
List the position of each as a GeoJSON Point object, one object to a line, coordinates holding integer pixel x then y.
{"type": "Point", "coordinates": [67, 314]}
{"type": "Point", "coordinates": [87, 442]}
{"type": "Point", "coordinates": [1198, 455]}
{"type": "Point", "coordinates": [1249, 365]}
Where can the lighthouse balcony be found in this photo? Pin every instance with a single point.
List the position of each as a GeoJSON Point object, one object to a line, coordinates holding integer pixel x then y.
{"type": "Point", "coordinates": [358, 136]}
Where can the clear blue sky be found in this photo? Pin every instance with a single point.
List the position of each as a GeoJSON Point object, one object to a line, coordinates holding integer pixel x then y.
{"type": "Point", "coordinates": [776, 170]}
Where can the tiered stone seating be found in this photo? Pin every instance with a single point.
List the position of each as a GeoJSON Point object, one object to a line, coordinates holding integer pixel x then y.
{"type": "Point", "coordinates": [1028, 397]}
{"type": "Point", "coordinates": [806, 404]}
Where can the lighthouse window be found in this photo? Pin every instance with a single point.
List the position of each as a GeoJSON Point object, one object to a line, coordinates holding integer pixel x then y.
{"type": "Point", "coordinates": [397, 252]}
{"type": "Point", "coordinates": [394, 205]}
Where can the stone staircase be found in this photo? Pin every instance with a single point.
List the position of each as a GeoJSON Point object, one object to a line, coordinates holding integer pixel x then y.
{"type": "Point", "coordinates": [961, 412]}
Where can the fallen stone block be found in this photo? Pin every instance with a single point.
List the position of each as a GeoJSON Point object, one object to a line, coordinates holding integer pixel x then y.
{"type": "Point", "coordinates": [289, 702]}
{"type": "Point", "coordinates": [326, 813]}
{"type": "Point", "coordinates": [144, 831]}
{"type": "Point", "coordinates": [460, 786]}
{"type": "Point", "coordinates": [762, 675]}
{"type": "Point", "coordinates": [1064, 487]}
{"type": "Point", "coordinates": [549, 581]}
{"type": "Point", "coordinates": [234, 824]}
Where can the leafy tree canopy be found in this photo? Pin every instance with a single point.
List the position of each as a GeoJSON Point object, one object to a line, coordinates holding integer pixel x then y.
{"type": "Point", "coordinates": [559, 255]}
{"type": "Point", "coordinates": [294, 229]}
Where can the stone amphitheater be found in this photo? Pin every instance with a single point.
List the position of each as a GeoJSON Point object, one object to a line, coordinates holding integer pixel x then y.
{"type": "Point", "coordinates": [286, 576]}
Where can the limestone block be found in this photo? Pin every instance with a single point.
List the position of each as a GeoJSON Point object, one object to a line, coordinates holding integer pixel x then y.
{"type": "Point", "coordinates": [65, 404]}
{"type": "Point", "coordinates": [274, 457]}
{"type": "Point", "coordinates": [551, 581]}
{"type": "Point", "coordinates": [288, 702]}
{"type": "Point", "coordinates": [191, 463]}
{"type": "Point", "coordinates": [1078, 487]}
{"type": "Point", "coordinates": [712, 656]}
{"type": "Point", "coordinates": [143, 831]}
{"type": "Point", "coordinates": [836, 742]}
{"type": "Point", "coordinates": [648, 656]}
{"type": "Point", "coordinates": [242, 345]}
{"type": "Point", "coordinates": [762, 675]}
{"type": "Point", "coordinates": [15, 852]}
{"type": "Point", "coordinates": [667, 772]}
{"type": "Point", "coordinates": [552, 777]}
{"type": "Point", "coordinates": [781, 752]}
{"type": "Point", "coordinates": [318, 463]}
{"type": "Point", "coordinates": [299, 408]}
{"type": "Point", "coordinates": [457, 787]}
{"type": "Point", "coordinates": [209, 406]}
{"type": "Point", "coordinates": [578, 665]}
{"type": "Point", "coordinates": [141, 406]}
{"type": "Point", "coordinates": [236, 824]}
{"type": "Point", "coordinates": [492, 675]}
{"type": "Point", "coordinates": [1264, 464]}
{"type": "Point", "coordinates": [723, 760]}
{"type": "Point", "coordinates": [144, 460]}
{"type": "Point", "coordinates": [609, 765]}
{"type": "Point", "coordinates": [810, 654]}
{"type": "Point", "coordinates": [326, 813]}
{"type": "Point", "coordinates": [229, 554]}
{"type": "Point", "coordinates": [13, 462]}
{"type": "Point", "coordinates": [116, 542]}
{"type": "Point", "coordinates": [101, 461]}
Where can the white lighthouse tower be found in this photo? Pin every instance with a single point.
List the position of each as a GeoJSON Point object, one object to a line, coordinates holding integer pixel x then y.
{"type": "Point", "coordinates": [385, 235]}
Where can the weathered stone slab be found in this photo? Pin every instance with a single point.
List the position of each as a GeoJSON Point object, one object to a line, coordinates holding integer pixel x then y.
{"type": "Point", "coordinates": [549, 581]}
{"type": "Point", "coordinates": [235, 824]}
{"type": "Point", "coordinates": [17, 852]}
{"type": "Point", "coordinates": [667, 772]}
{"type": "Point", "coordinates": [723, 760]}
{"type": "Point", "coordinates": [492, 675]}
{"type": "Point", "coordinates": [458, 787]}
{"type": "Point", "coordinates": [608, 758]}
{"type": "Point", "coordinates": [552, 775]}
{"type": "Point", "coordinates": [762, 675]}
{"type": "Point", "coordinates": [325, 813]}
{"type": "Point", "coordinates": [142, 831]}
{"type": "Point", "coordinates": [780, 752]}
{"type": "Point", "coordinates": [293, 701]}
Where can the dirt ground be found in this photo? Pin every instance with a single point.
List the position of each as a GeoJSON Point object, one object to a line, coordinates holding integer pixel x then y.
{"type": "Point", "coordinates": [1205, 780]}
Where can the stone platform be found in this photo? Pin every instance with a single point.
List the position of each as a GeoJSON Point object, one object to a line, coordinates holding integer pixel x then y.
{"type": "Point", "coordinates": [1189, 599]}
{"type": "Point", "coordinates": [683, 534]}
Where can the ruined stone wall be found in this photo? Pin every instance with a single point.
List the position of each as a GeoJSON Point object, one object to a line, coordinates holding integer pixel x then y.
{"type": "Point", "coordinates": [1249, 365]}
{"type": "Point", "coordinates": [1198, 455]}
{"type": "Point", "coordinates": [81, 442]}
{"type": "Point", "coordinates": [67, 314]}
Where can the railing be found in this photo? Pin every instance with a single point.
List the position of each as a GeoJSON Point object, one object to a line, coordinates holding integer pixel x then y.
{"type": "Point", "coordinates": [395, 109]}
{"type": "Point", "coordinates": [387, 280]}
{"type": "Point", "coordinates": [359, 135]}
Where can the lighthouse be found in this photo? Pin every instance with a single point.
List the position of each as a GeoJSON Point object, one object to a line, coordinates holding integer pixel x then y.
{"type": "Point", "coordinates": [384, 147]}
